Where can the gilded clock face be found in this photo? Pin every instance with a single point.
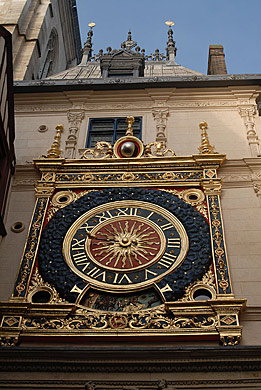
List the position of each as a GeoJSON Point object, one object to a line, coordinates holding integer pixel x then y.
{"type": "Point", "coordinates": [125, 241]}
{"type": "Point", "coordinates": [125, 245]}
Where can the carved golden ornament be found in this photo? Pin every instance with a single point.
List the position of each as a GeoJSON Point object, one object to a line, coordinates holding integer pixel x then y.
{"type": "Point", "coordinates": [62, 199]}
{"type": "Point", "coordinates": [54, 151]}
{"type": "Point", "coordinates": [128, 176]}
{"type": "Point", "coordinates": [130, 120]}
{"type": "Point", "coordinates": [157, 149]}
{"type": "Point", "coordinates": [102, 149]}
{"type": "Point", "coordinates": [37, 284]}
{"type": "Point", "coordinates": [205, 147]}
{"type": "Point", "coordinates": [207, 283]}
{"type": "Point", "coordinates": [31, 248]}
{"type": "Point", "coordinates": [198, 203]}
{"type": "Point", "coordinates": [193, 196]}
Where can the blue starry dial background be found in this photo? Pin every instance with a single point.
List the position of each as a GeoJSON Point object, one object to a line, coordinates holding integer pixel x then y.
{"type": "Point", "coordinates": [55, 270]}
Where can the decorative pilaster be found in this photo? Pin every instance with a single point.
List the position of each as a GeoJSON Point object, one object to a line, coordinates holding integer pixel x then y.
{"type": "Point", "coordinates": [75, 120]}
{"type": "Point", "coordinates": [248, 115]}
{"type": "Point", "coordinates": [161, 115]}
{"type": "Point", "coordinates": [212, 189]}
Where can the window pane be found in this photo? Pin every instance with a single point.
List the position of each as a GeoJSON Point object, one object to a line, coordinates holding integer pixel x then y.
{"type": "Point", "coordinates": [99, 136]}
{"type": "Point", "coordinates": [110, 129]}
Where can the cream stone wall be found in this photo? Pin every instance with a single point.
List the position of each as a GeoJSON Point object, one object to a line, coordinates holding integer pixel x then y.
{"type": "Point", "coordinates": [234, 125]}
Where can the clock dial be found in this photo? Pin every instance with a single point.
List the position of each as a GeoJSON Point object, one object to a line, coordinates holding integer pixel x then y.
{"type": "Point", "coordinates": [122, 240]}
{"type": "Point", "coordinates": [123, 245]}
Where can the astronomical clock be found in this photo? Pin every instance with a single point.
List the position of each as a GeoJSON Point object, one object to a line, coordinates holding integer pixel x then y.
{"type": "Point", "coordinates": [125, 242]}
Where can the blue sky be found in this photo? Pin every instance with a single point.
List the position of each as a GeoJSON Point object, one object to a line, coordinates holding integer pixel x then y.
{"type": "Point", "coordinates": [235, 24]}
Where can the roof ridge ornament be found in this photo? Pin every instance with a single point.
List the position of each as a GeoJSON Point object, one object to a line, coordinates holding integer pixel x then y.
{"type": "Point", "coordinates": [129, 43]}
{"type": "Point", "coordinates": [171, 48]}
{"type": "Point", "coordinates": [87, 48]}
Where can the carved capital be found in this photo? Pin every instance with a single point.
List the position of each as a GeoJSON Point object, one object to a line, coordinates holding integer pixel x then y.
{"type": "Point", "coordinates": [75, 118]}
{"type": "Point", "coordinates": [44, 190]}
{"type": "Point", "coordinates": [212, 187]}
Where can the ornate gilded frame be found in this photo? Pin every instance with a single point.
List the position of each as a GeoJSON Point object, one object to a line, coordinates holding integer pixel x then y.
{"type": "Point", "coordinates": [216, 318]}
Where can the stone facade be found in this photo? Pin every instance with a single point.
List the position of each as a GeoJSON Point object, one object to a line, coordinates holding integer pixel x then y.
{"type": "Point", "coordinates": [45, 37]}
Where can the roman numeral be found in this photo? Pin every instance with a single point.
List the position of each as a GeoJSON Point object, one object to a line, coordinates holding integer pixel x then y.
{"type": "Point", "coordinates": [128, 211]}
{"type": "Point", "coordinates": [150, 215]}
{"type": "Point", "coordinates": [87, 227]}
{"type": "Point", "coordinates": [174, 242]}
{"type": "Point", "coordinates": [165, 288]}
{"type": "Point", "coordinates": [122, 278]}
{"type": "Point", "coordinates": [78, 244]}
{"type": "Point", "coordinates": [166, 226]}
{"type": "Point", "coordinates": [167, 260]}
{"type": "Point", "coordinates": [126, 277]}
{"type": "Point", "coordinates": [147, 272]}
{"type": "Point", "coordinates": [79, 257]}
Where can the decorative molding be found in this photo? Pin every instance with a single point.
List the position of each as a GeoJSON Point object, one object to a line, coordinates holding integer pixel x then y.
{"type": "Point", "coordinates": [248, 114]}
{"type": "Point", "coordinates": [129, 106]}
{"type": "Point", "coordinates": [151, 360]}
{"type": "Point", "coordinates": [132, 385]}
{"type": "Point", "coordinates": [75, 119]}
{"type": "Point", "coordinates": [41, 108]}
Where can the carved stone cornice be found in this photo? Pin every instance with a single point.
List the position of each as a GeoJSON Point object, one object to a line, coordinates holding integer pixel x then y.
{"type": "Point", "coordinates": [242, 173]}
{"type": "Point", "coordinates": [123, 359]}
{"type": "Point", "coordinates": [25, 178]}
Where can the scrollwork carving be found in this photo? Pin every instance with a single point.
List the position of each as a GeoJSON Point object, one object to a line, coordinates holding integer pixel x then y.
{"type": "Point", "coordinates": [157, 149]}
{"type": "Point", "coordinates": [102, 149]}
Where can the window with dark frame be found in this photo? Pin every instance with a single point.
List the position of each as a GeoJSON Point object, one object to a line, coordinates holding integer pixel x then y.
{"type": "Point", "coordinates": [110, 129]}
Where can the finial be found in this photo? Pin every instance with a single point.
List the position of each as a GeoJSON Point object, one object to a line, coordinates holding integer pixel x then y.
{"type": "Point", "coordinates": [171, 48]}
{"type": "Point", "coordinates": [54, 151]}
{"type": "Point", "coordinates": [129, 43]}
{"type": "Point", "coordinates": [87, 48]}
{"type": "Point", "coordinates": [205, 147]}
{"type": "Point", "coordinates": [130, 120]}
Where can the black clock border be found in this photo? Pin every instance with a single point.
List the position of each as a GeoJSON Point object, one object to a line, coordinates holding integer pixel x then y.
{"type": "Point", "coordinates": [55, 270]}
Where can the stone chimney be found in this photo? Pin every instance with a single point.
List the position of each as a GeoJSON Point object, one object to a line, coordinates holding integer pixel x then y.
{"type": "Point", "coordinates": [216, 60]}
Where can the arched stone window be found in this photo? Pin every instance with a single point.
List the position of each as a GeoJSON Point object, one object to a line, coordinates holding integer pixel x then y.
{"type": "Point", "coordinates": [52, 54]}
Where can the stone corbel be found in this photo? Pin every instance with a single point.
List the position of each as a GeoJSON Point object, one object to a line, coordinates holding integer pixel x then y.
{"type": "Point", "coordinates": [75, 119]}
{"type": "Point", "coordinates": [248, 114]}
{"type": "Point", "coordinates": [161, 115]}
